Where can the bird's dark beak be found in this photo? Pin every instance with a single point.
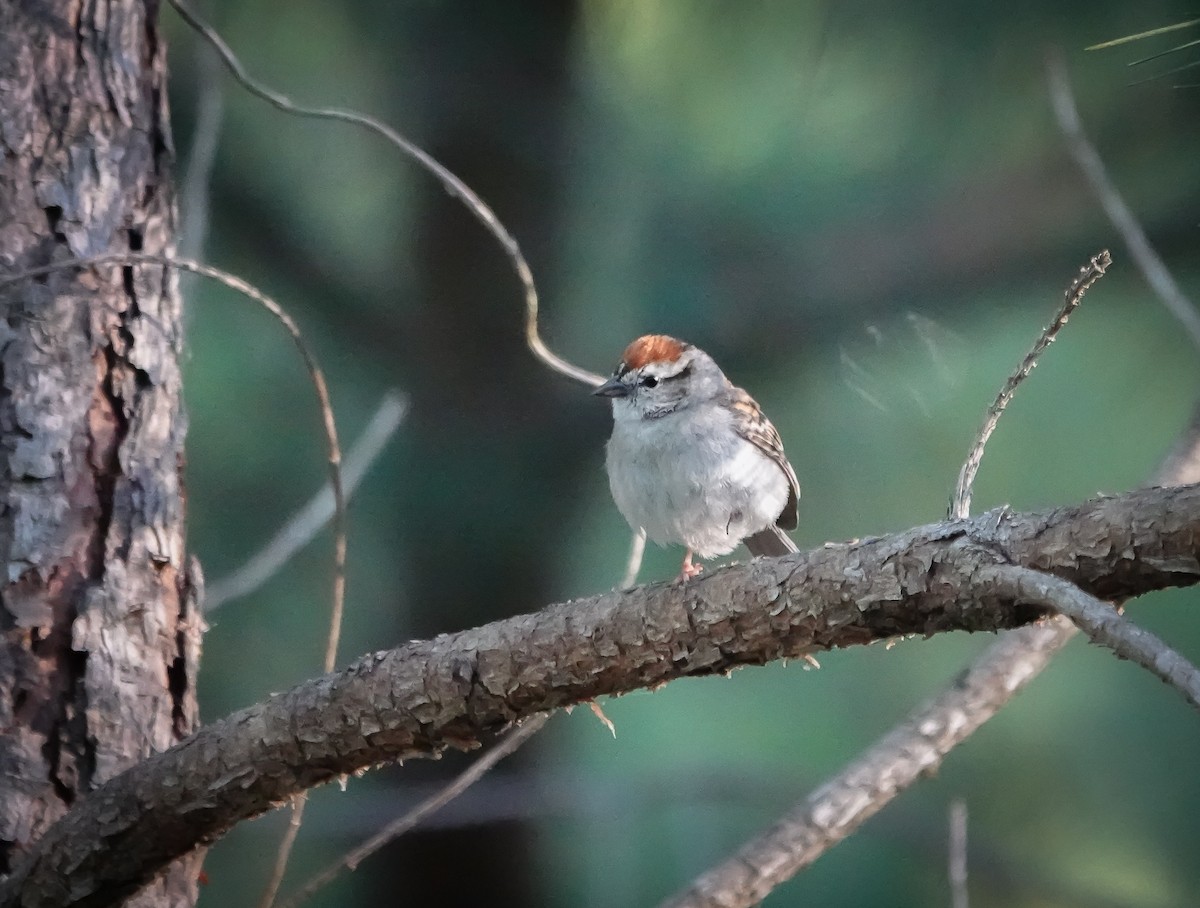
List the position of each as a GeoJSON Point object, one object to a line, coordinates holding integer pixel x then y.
{"type": "Point", "coordinates": [614, 387]}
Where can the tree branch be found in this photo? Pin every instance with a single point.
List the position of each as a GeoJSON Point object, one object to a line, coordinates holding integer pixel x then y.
{"type": "Point", "coordinates": [450, 182]}
{"type": "Point", "coordinates": [1148, 262]}
{"type": "Point", "coordinates": [912, 749]}
{"type": "Point", "coordinates": [957, 855]}
{"type": "Point", "coordinates": [306, 523]}
{"type": "Point", "coordinates": [917, 746]}
{"type": "Point", "coordinates": [393, 830]}
{"type": "Point", "coordinates": [1102, 623]}
{"type": "Point", "coordinates": [960, 502]}
{"type": "Point", "coordinates": [423, 697]}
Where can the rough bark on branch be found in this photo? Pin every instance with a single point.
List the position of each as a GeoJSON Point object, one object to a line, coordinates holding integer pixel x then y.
{"type": "Point", "coordinates": [426, 696]}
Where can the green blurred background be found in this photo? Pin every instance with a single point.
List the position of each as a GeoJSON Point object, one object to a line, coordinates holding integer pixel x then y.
{"type": "Point", "coordinates": [865, 212]}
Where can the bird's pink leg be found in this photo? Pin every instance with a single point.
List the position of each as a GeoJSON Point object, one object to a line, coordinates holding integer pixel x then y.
{"type": "Point", "coordinates": [689, 569]}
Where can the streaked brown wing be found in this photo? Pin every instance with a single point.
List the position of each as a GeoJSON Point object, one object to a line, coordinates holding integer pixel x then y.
{"type": "Point", "coordinates": [754, 426]}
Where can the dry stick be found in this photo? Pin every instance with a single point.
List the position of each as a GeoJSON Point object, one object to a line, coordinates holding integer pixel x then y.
{"type": "Point", "coordinates": [1089, 161]}
{"type": "Point", "coordinates": [957, 869]}
{"type": "Point", "coordinates": [334, 456]}
{"type": "Point", "coordinates": [1100, 621]}
{"type": "Point", "coordinates": [917, 745]}
{"type": "Point", "coordinates": [1181, 466]}
{"type": "Point", "coordinates": [637, 549]}
{"type": "Point", "coordinates": [298, 531]}
{"type": "Point", "coordinates": [960, 505]}
{"type": "Point", "coordinates": [201, 157]}
{"type": "Point", "coordinates": [464, 780]}
{"type": "Point", "coordinates": [283, 852]}
{"type": "Point", "coordinates": [452, 184]}
{"type": "Point", "coordinates": [911, 751]}
{"type": "Point", "coordinates": [472, 774]}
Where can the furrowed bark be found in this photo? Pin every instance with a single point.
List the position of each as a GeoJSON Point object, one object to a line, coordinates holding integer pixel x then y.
{"type": "Point", "coordinates": [101, 638]}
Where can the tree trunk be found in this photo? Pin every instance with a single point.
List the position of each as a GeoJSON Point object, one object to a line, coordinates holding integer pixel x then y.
{"type": "Point", "coordinates": [101, 635]}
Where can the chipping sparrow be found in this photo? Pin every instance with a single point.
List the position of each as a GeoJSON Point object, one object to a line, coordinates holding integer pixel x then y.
{"type": "Point", "coordinates": [692, 459]}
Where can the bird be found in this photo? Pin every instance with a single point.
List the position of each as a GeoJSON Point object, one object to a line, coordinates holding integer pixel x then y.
{"type": "Point", "coordinates": [692, 459]}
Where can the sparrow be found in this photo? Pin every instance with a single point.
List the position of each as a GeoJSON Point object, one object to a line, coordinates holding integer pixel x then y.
{"type": "Point", "coordinates": [692, 460]}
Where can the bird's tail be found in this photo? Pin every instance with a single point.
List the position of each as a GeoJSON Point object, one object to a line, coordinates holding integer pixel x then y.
{"type": "Point", "coordinates": [771, 541]}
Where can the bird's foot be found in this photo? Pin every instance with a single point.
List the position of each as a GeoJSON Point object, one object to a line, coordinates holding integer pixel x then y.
{"type": "Point", "coordinates": [689, 570]}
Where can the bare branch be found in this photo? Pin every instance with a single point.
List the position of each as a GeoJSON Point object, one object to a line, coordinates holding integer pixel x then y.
{"type": "Point", "coordinates": [308, 521]}
{"type": "Point", "coordinates": [283, 851]}
{"type": "Point", "coordinates": [957, 853]}
{"type": "Point", "coordinates": [1181, 466]}
{"type": "Point", "coordinates": [472, 774]}
{"type": "Point", "coordinates": [633, 565]}
{"type": "Point", "coordinates": [911, 750]}
{"type": "Point", "coordinates": [426, 696]}
{"type": "Point", "coordinates": [1101, 622]}
{"type": "Point", "coordinates": [1122, 219]}
{"type": "Point", "coordinates": [194, 192]}
{"type": "Point", "coordinates": [452, 184]}
{"type": "Point", "coordinates": [960, 505]}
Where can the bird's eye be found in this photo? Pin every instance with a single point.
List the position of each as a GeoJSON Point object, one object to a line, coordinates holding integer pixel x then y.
{"type": "Point", "coordinates": [649, 381]}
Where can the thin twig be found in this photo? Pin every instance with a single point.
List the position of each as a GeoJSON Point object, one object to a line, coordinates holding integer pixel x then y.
{"type": "Point", "coordinates": [1181, 466]}
{"type": "Point", "coordinates": [298, 531]}
{"type": "Point", "coordinates": [350, 861]}
{"type": "Point", "coordinates": [1186, 45]}
{"type": "Point", "coordinates": [633, 565]}
{"type": "Point", "coordinates": [1144, 257]}
{"type": "Point", "coordinates": [452, 184]}
{"type": "Point", "coordinates": [960, 505]}
{"type": "Point", "coordinates": [1100, 621]}
{"type": "Point", "coordinates": [195, 189]}
{"type": "Point", "coordinates": [283, 851]}
{"type": "Point", "coordinates": [958, 854]}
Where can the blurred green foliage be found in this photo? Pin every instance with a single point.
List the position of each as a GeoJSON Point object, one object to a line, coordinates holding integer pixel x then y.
{"type": "Point", "coordinates": [865, 212]}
